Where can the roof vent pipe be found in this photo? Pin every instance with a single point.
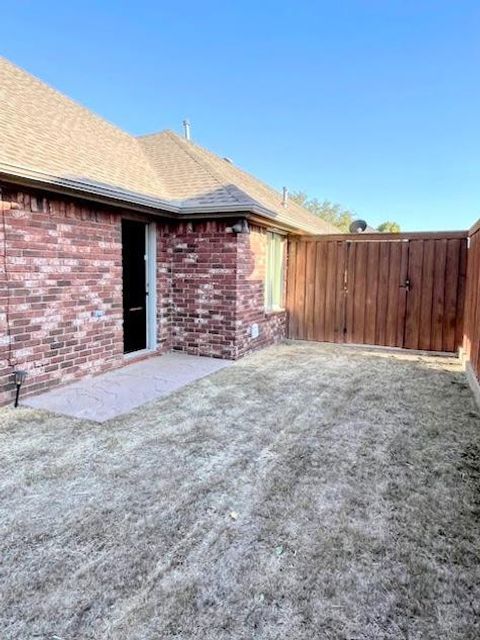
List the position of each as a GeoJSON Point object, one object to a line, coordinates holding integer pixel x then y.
{"type": "Point", "coordinates": [186, 129]}
{"type": "Point", "coordinates": [285, 197]}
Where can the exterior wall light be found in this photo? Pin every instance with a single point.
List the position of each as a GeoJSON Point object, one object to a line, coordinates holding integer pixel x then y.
{"type": "Point", "coordinates": [241, 226]}
{"type": "Point", "coordinates": [19, 378]}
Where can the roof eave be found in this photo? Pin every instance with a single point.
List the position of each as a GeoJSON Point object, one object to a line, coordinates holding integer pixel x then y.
{"type": "Point", "coordinates": [253, 211]}
{"type": "Point", "coordinates": [108, 195]}
{"type": "Point", "coordinates": [87, 190]}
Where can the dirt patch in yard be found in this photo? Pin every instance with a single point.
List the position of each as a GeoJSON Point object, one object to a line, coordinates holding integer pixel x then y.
{"type": "Point", "coordinates": [308, 491]}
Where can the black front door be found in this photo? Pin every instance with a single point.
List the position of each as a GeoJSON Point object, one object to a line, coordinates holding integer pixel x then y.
{"type": "Point", "coordinates": [134, 286]}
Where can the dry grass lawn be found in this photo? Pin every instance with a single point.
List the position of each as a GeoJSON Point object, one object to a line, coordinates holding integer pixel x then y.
{"type": "Point", "coordinates": [307, 492]}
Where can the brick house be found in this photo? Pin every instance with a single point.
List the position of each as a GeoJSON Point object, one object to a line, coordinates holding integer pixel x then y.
{"type": "Point", "coordinates": [114, 247]}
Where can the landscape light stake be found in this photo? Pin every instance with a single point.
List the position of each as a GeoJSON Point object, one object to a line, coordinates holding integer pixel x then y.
{"type": "Point", "coordinates": [19, 377]}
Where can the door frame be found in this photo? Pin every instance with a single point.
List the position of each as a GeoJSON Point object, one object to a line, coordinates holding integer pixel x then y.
{"type": "Point", "coordinates": [150, 287]}
{"type": "Point", "coordinates": [151, 284]}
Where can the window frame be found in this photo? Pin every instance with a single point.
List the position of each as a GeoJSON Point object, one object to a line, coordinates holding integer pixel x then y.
{"type": "Point", "coordinates": [274, 285]}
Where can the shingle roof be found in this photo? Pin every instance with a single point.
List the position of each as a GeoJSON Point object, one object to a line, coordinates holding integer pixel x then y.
{"type": "Point", "coordinates": [195, 176]}
{"type": "Point", "coordinates": [44, 130]}
{"type": "Point", "coordinates": [50, 138]}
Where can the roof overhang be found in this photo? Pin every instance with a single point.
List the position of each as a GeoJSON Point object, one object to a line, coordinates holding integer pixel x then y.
{"type": "Point", "coordinates": [96, 192]}
{"type": "Point", "coordinates": [108, 195]}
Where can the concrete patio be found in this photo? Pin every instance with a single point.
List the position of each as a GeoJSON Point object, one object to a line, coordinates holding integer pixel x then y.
{"type": "Point", "coordinates": [117, 392]}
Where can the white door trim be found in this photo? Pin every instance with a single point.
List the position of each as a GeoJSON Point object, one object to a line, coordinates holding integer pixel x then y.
{"type": "Point", "coordinates": [151, 283]}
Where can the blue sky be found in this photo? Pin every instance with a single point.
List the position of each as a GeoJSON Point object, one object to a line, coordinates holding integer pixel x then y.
{"type": "Point", "coordinates": [371, 103]}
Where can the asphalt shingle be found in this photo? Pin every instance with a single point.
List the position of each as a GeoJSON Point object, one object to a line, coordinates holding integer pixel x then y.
{"type": "Point", "coordinates": [46, 133]}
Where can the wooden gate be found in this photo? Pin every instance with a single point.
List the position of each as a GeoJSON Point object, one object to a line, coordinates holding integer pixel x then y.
{"type": "Point", "coordinates": [399, 290]}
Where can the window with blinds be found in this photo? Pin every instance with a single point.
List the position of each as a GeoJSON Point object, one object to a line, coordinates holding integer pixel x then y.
{"type": "Point", "coordinates": [275, 272]}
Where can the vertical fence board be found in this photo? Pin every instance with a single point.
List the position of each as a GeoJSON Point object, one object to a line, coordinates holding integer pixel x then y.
{"type": "Point", "coordinates": [320, 279]}
{"type": "Point", "coordinates": [382, 294]}
{"type": "Point", "coordinates": [393, 294]}
{"type": "Point", "coordinates": [471, 342]}
{"type": "Point", "coordinates": [475, 300]}
{"type": "Point", "coordinates": [349, 297]}
{"type": "Point", "coordinates": [426, 302]}
{"type": "Point", "coordinates": [438, 294]}
{"type": "Point", "coordinates": [340, 293]}
{"type": "Point", "coordinates": [330, 292]}
{"type": "Point", "coordinates": [300, 289]}
{"type": "Point", "coordinates": [451, 279]}
{"type": "Point", "coordinates": [402, 295]}
{"type": "Point", "coordinates": [474, 331]}
{"type": "Point", "coordinates": [412, 321]}
{"type": "Point", "coordinates": [476, 311]}
{"type": "Point", "coordinates": [462, 281]}
{"type": "Point", "coordinates": [359, 284]}
{"type": "Point", "coordinates": [373, 257]}
{"type": "Point", "coordinates": [290, 301]}
{"type": "Point", "coordinates": [310, 263]}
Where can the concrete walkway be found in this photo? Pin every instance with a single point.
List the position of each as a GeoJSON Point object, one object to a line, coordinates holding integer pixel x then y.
{"type": "Point", "coordinates": [117, 392]}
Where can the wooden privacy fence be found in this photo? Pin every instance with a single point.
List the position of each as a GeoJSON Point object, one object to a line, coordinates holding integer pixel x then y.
{"type": "Point", "coordinates": [399, 290]}
{"type": "Point", "coordinates": [472, 304]}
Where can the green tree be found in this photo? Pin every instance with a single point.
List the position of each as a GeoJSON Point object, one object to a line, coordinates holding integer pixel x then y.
{"type": "Point", "coordinates": [329, 211]}
{"type": "Point", "coordinates": [389, 227]}
{"type": "Point", "coordinates": [334, 213]}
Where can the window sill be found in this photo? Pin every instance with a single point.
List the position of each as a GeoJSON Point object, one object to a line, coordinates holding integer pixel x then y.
{"type": "Point", "coordinates": [273, 312]}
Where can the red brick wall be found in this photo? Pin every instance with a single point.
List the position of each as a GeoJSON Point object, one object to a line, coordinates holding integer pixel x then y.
{"type": "Point", "coordinates": [5, 369]}
{"type": "Point", "coordinates": [203, 285]}
{"type": "Point", "coordinates": [252, 249]}
{"type": "Point", "coordinates": [218, 290]}
{"type": "Point", "coordinates": [63, 264]}
{"type": "Point", "coordinates": [61, 267]}
{"type": "Point", "coordinates": [164, 289]}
